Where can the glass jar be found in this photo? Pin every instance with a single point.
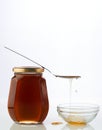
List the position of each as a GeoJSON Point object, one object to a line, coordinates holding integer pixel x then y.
{"type": "Point", "coordinates": [28, 100]}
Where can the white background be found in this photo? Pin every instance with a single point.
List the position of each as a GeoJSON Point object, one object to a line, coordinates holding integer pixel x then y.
{"type": "Point", "coordinates": [63, 35]}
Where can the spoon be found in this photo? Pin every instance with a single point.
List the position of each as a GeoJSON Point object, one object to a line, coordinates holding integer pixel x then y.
{"type": "Point", "coordinates": [60, 76]}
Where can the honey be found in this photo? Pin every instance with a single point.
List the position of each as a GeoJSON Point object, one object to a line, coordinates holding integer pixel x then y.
{"type": "Point", "coordinates": [28, 100]}
{"type": "Point", "coordinates": [77, 123]}
{"type": "Point", "coordinates": [76, 119]}
{"type": "Point", "coordinates": [56, 123]}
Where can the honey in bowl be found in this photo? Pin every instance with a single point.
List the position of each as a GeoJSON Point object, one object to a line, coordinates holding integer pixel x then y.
{"type": "Point", "coordinates": [75, 120]}
{"type": "Point", "coordinates": [78, 114]}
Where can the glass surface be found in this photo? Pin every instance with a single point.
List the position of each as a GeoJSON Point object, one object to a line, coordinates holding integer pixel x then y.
{"type": "Point", "coordinates": [78, 114]}
{"type": "Point", "coordinates": [28, 100]}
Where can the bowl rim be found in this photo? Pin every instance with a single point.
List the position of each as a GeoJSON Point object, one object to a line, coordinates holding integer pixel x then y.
{"type": "Point", "coordinates": [79, 107]}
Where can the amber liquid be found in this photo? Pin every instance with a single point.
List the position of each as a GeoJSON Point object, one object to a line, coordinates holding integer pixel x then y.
{"type": "Point", "coordinates": [77, 123]}
{"type": "Point", "coordinates": [28, 100]}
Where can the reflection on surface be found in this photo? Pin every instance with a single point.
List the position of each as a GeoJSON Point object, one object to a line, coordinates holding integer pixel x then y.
{"type": "Point", "coordinates": [77, 127]}
{"type": "Point", "coordinates": [27, 127]}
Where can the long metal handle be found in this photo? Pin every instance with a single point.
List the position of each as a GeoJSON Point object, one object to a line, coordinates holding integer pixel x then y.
{"type": "Point", "coordinates": [29, 59]}
{"type": "Point", "coordinates": [60, 76]}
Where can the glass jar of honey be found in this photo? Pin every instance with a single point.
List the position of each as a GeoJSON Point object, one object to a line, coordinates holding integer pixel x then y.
{"type": "Point", "coordinates": [28, 100]}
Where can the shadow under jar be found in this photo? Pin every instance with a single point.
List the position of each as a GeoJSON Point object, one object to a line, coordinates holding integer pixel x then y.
{"type": "Point", "coordinates": [28, 100]}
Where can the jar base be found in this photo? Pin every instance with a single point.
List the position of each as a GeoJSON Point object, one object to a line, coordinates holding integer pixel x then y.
{"type": "Point", "coordinates": [28, 122]}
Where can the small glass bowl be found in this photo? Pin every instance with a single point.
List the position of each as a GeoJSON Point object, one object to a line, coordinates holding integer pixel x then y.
{"type": "Point", "coordinates": [78, 114]}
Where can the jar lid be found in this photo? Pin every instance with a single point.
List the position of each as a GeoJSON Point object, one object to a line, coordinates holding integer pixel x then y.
{"type": "Point", "coordinates": [28, 69]}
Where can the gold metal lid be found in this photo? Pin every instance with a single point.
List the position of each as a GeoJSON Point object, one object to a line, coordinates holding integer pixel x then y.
{"type": "Point", "coordinates": [28, 69]}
